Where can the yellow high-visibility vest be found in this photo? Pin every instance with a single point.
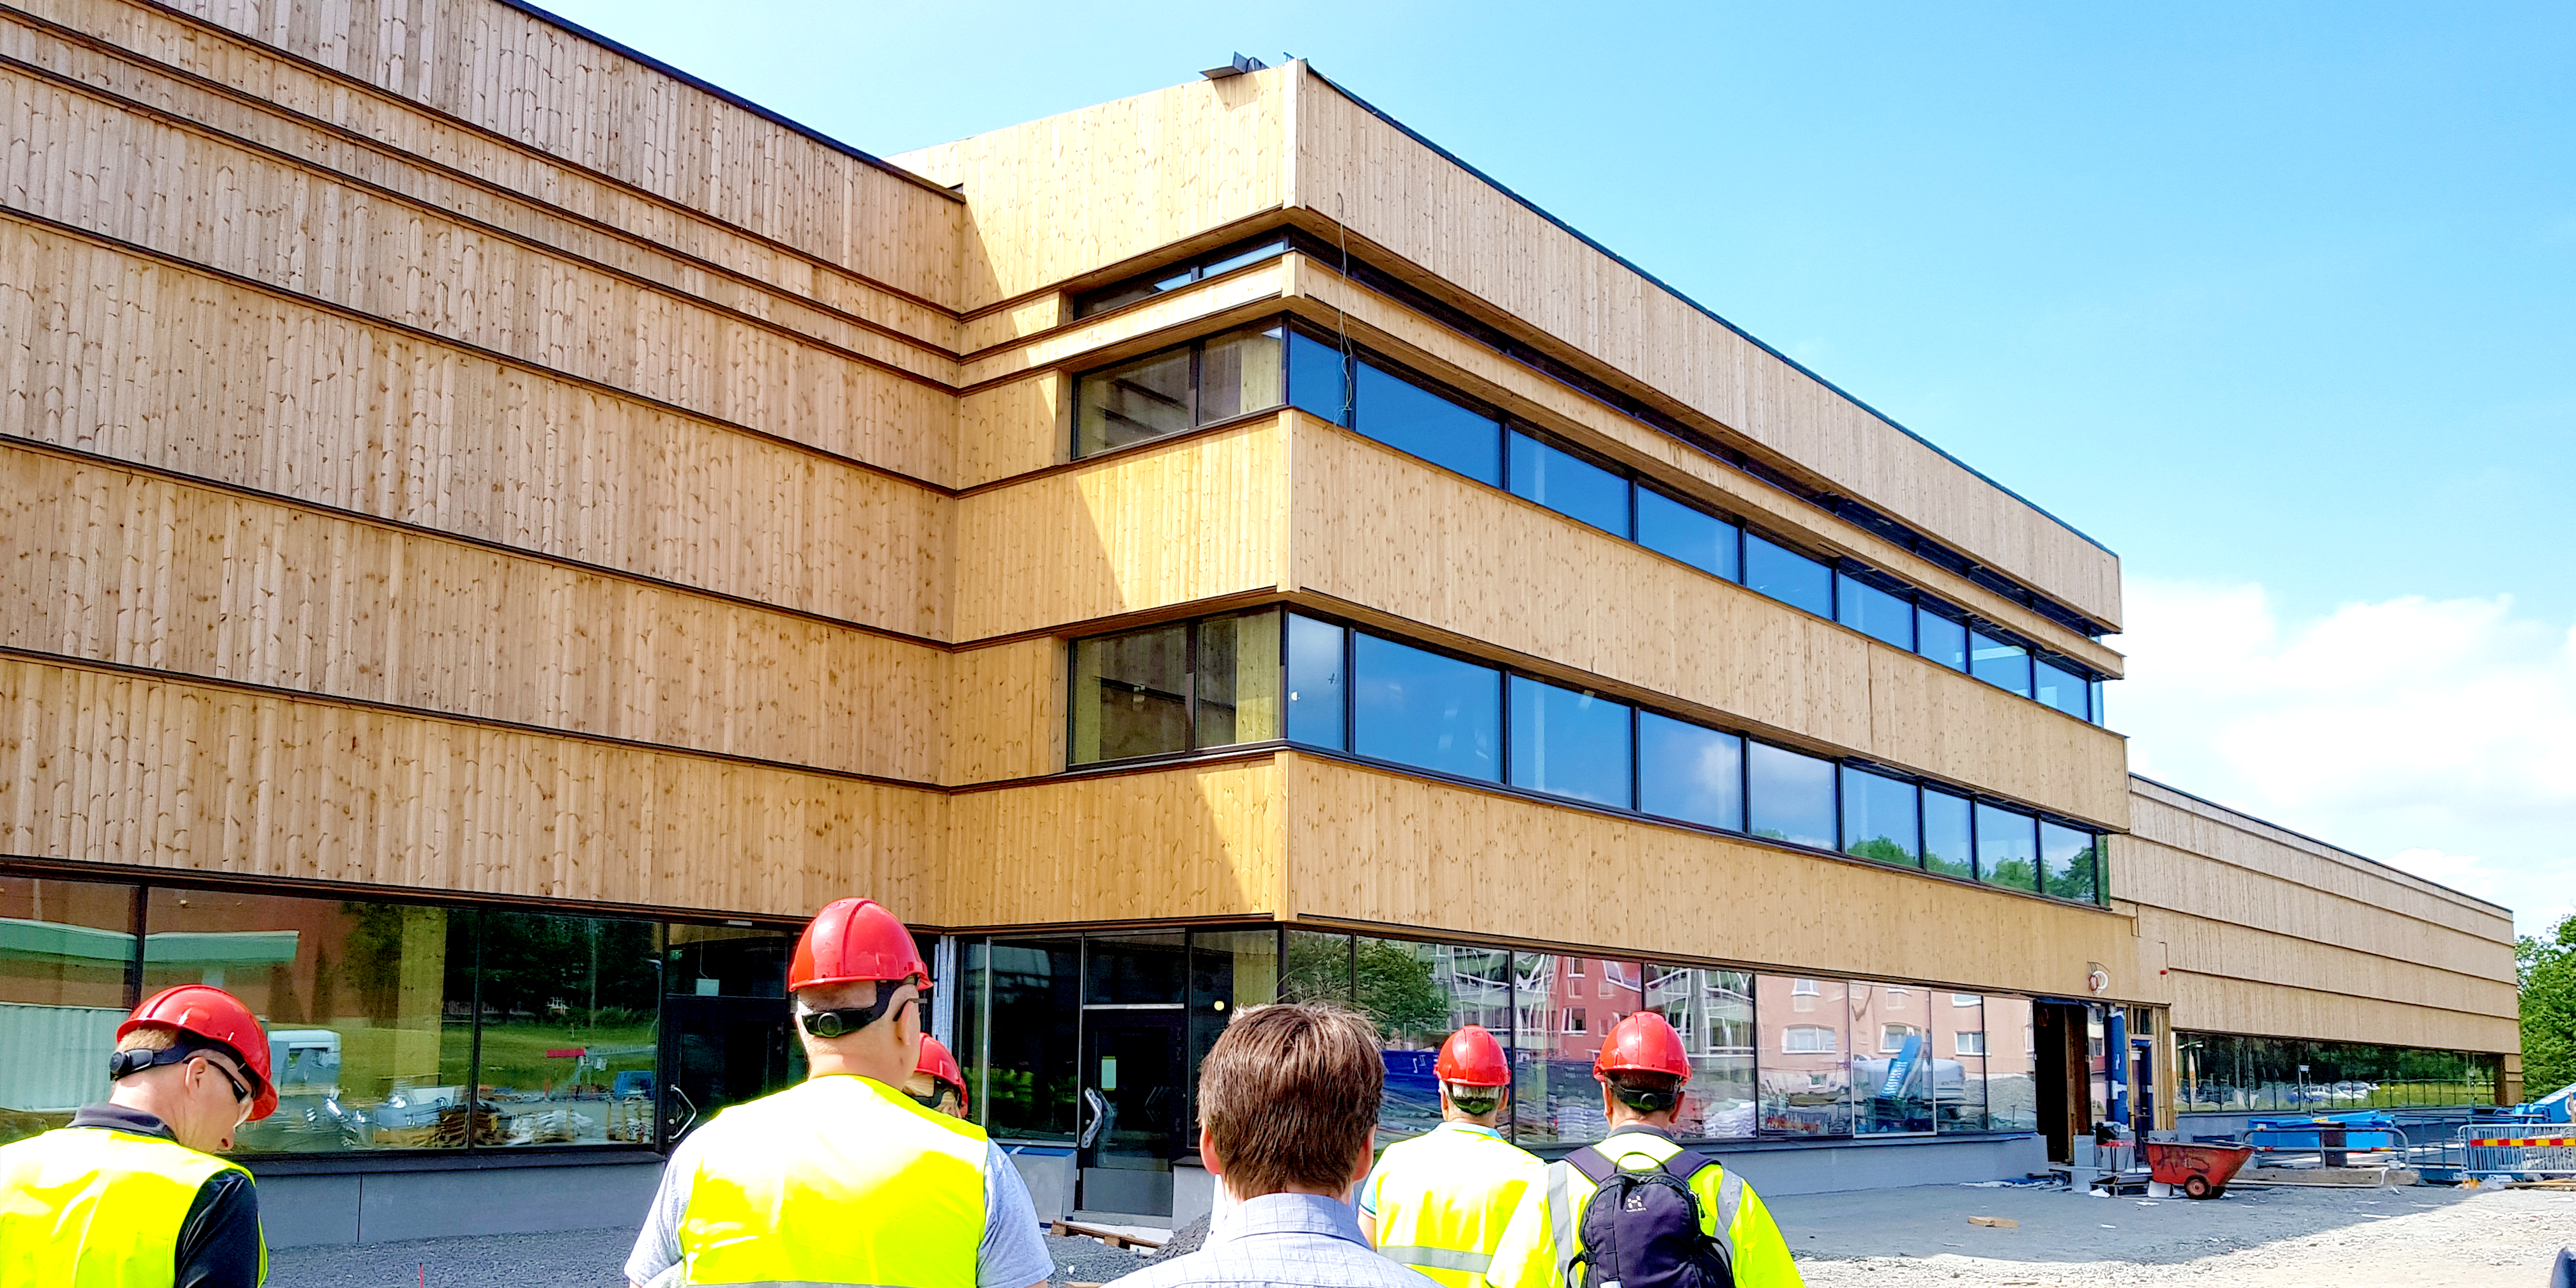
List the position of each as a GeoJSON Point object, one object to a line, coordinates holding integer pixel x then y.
{"type": "Point", "coordinates": [838, 1180]}
{"type": "Point", "coordinates": [1465, 1207]}
{"type": "Point", "coordinates": [1729, 1211]}
{"type": "Point", "coordinates": [93, 1207]}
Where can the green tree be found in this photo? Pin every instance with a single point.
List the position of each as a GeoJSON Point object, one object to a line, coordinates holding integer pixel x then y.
{"type": "Point", "coordinates": [2547, 969]}
{"type": "Point", "coordinates": [1398, 992]}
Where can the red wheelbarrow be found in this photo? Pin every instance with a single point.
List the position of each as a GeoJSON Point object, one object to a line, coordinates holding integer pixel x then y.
{"type": "Point", "coordinates": [2201, 1171]}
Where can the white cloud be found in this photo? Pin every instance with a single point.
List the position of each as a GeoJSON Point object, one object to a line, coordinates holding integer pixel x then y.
{"type": "Point", "coordinates": [2438, 735]}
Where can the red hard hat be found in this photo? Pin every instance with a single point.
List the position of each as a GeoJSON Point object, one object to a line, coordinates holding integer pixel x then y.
{"type": "Point", "coordinates": [1643, 1043]}
{"type": "Point", "coordinates": [852, 940]}
{"type": "Point", "coordinates": [1472, 1058]}
{"type": "Point", "coordinates": [936, 1062]}
{"type": "Point", "coordinates": [205, 1011]}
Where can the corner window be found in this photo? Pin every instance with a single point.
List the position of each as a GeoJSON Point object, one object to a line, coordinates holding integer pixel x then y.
{"type": "Point", "coordinates": [1170, 689]}
{"type": "Point", "coordinates": [2069, 863]}
{"type": "Point", "coordinates": [1787, 576]}
{"type": "Point", "coordinates": [1201, 383]}
{"type": "Point", "coordinates": [1317, 692]}
{"type": "Point", "coordinates": [1149, 285]}
{"type": "Point", "coordinates": [2061, 688]}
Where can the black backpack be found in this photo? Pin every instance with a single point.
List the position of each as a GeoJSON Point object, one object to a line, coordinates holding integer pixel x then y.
{"type": "Point", "coordinates": [1642, 1228]}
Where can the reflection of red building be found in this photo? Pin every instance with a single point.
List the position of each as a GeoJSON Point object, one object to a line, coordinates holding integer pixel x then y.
{"type": "Point", "coordinates": [1565, 1004]}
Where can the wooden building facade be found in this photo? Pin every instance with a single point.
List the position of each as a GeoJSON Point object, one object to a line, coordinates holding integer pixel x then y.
{"type": "Point", "coordinates": [497, 531]}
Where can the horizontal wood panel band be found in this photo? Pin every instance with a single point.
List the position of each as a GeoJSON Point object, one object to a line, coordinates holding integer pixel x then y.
{"type": "Point", "coordinates": [1172, 524]}
{"type": "Point", "coordinates": [1372, 845]}
{"type": "Point", "coordinates": [1378, 528]}
{"type": "Point", "coordinates": [2359, 969]}
{"type": "Point", "coordinates": [2223, 1004]}
{"type": "Point", "coordinates": [141, 360]}
{"type": "Point", "coordinates": [1056, 198]}
{"type": "Point", "coordinates": [785, 288]}
{"type": "Point", "coordinates": [2159, 875]}
{"type": "Point", "coordinates": [1396, 193]}
{"type": "Point", "coordinates": [1006, 712]}
{"type": "Point", "coordinates": [104, 768]}
{"type": "Point", "coordinates": [1192, 841]}
{"type": "Point", "coordinates": [512, 73]}
{"type": "Point", "coordinates": [118, 567]}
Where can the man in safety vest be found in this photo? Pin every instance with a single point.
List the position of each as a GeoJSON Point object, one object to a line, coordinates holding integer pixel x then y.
{"type": "Point", "coordinates": [1642, 1070]}
{"type": "Point", "coordinates": [131, 1193]}
{"type": "Point", "coordinates": [1461, 1204]}
{"type": "Point", "coordinates": [936, 1080]}
{"type": "Point", "coordinates": [843, 1179]}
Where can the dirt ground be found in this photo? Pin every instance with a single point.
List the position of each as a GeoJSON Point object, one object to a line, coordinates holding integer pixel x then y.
{"type": "Point", "coordinates": [2419, 1237]}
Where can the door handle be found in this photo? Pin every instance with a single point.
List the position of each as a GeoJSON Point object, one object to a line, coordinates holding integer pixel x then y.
{"type": "Point", "coordinates": [1099, 1107]}
{"type": "Point", "coordinates": [685, 1123]}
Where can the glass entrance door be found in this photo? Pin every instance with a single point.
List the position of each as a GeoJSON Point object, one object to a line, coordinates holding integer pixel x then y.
{"type": "Point", "coordinates": [1134, 1109]}
{"type": "Point", "coordinates": [719, 1051]}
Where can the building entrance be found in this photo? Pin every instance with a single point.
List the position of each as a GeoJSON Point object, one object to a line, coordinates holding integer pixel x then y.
{"type": "Point", "coordinates": [719, 1051]}
{"type": "Point", "coordinates": [1133, 1110]}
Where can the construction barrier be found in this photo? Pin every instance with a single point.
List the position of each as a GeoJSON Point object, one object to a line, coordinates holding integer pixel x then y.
{"type": "Point", "coordinates": [2521, 1155]}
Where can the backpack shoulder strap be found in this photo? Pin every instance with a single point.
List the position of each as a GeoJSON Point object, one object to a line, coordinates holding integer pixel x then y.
{"type": "Point", "coordinates": [1686, 1164]}
{"type": "Point", "coordinates": [1595, 1165]}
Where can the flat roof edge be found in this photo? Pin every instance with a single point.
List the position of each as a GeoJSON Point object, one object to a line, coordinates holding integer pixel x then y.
{"type": "Point", "coordinates": [705, 86]}
{"type": "Point", "coordinates": [2352, 854]}
{"type": "Point", "coordinates": [1712, 314]}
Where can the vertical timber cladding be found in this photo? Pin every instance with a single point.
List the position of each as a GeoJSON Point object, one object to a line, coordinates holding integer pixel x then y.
{"type": "Point", "coordinates": [2273, 934]}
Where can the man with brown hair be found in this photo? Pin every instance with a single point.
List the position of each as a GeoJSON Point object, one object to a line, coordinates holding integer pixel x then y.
{"type": "Point", "coordinates": [1287, 1123]}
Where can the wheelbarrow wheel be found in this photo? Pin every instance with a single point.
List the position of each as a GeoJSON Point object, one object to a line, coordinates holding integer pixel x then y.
{"type": "Point", "coordinates": [2198, 1187]}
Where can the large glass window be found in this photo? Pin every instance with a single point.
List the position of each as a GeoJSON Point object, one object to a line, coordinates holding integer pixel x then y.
{"type": "Point", "coordinates": [2012, 1065]}
{"type": "Point", "coordinates": [1788, 576]}
{"type": "Point", "coordinates": [1562, 1008]}
{"type": "Point", "coordinates": [1212, 380]}
{"type": "Point", "coordinates": [1411, 419]}
{"type": "Point", "coordinates": [1713, 1012]}
{"type": "Point", "coordinates": [1175, 277]}
{"type": "Point", "coordinates": [1238, 679]}
{"type": "Point", "coordinates": [1949, 844]}
{"type": "Point", "coordinates": [1316, 689]}
{"type": "Point", "coordinates": [1879, 820]}
{"type": "Point", "coordinates": [1318, 378]}
{"type": "Point", "coordinates": [1229, 971]}
{"type": "Point", "coordinates": [1873, 612]}
{"type": "Point", "coordinates": [1402, 988]}
{"type": "Point", "coordinates": [1135, 968]}
{"type": "Point", "coordinates": [2069, 863]}
{"type": "Point", "coordinates": [2007, 848]}
{"type": "Point", "coordinates": [1891, 1066]}
{"type": "Point", "coordinates": [1569, 743]}
{"type": "Point", "coordinates": [1695, 537]}
{"type": "Point", "coordinates": [568, 1010]}
{"type": "Point", "coordinates": [1792, 796]}
{"type": "Point", "coordinates": [1805, 1068]}
{"type": "Point", "coordinates": [1568, 484]}
{"type": "Point", "coordinates": [1688, 772]}
{"type": "Point", "coordinates": [1419, 708]}
{"type": "Point", "coordinates": [65, 950]}
{"type": "Point", "coordinates": [1940, 639]}
{"type": "Point", "coordinates": [1034, 990]}
{"type": "Point", "coordinates": [1135, 695]}
{"type": "Point", "coordinates": [1957, 1061]}
{"type": "Point", "coordinates": [1318, 968]}
{"type": "Point", "coordinates": [2062, 689]}
{"type": "Point", "coordinates": [2005, 666]}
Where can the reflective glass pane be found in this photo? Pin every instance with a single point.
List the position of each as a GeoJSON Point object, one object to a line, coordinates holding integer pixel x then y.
{"type": "Point", "coordinates": [1238, 676]}
{"type": "Point", "coordinates": [1891, 1060]}
{"type": "Point", "coordinates": [1399, 991]}
{"type": "Point", "coordinates": [369, 1009]}
{"type": "Point", "coordinates": [1940, 639]}
{"type": "Point", "coordinates": [570, 1009]}
{"type": "Point", "coordinates": [1788, 576]}
{"type": "Point", "coordinates": [2007, 848]}
{"type": "Point", "coordinates": [1948, 845]}
{"type": "Point", "coordinates": [65, 947]}
{"type": "Point", "coordinates": [1237, 260]}
{"type": "Point", "coordinates": [1144, 399]}
{"type": "Point", "coordinates": [2096, 709]}
{"type": "Point", "coordinates": [2012, 1065]}
{"type": "Point", "coordinates": [2061, 688]}
{"type": "Point", "coordinates": [1713, 1011]}
{"type": "Point", "coordinates": [2005, 666]}
{"type": "Point", "coordinates": [1315, 685]}
{"type": "Point", "coordinates": [1103, 301]}
{"type": "Point", "coordinates": [1419, 708]}
{"type": "Point", "coordinates": [1030, 1078]}
{"type": "Point", "coordinates": [1562, 1006]}
{"type": "Point", "coordinates": [1318, 968]}
{"type": "Point", "coordinates": [1241, 373]}
{"type": "Point", "coordinates": [1792, 796]}
{"type": "Point", "coordinates": [1569, 485]}
{"type": "Point", "coordinates": [1229, 971]}
{"type": "Point", "coordinates": [1690, 773]}
{"type": "Point", "coordinates": [1874, 612]}
{"type": "Point", "coordinates": [2068, 861]}
{"type": "Point", "coordinates": [1569, 743]}
{"type": "Point", "coordinates": [1315, 378]}
{"type": "Point", "coordinates": [726, 961]}
{"type": "Point", "coordinates": [1805, 1068]}
{"type": "Point", "coordinates": [1958, 1062]}
{"type": "Point", "coordinates": [1143, 966]}
{"type": "Point", "coordinates": [1701, 540]}
{"type": "Point", "coordinates": [1410, 418]}
{"type": "Point", "coordinates": [1879, 818]}
{"type": "Point", "coordinates": [1131, 695]}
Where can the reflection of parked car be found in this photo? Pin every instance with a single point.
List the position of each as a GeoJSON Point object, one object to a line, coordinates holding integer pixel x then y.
{"type": "Point", "coordinates": [632, 1083]}
{"type": "Point", "coordinates": [305, 1061]}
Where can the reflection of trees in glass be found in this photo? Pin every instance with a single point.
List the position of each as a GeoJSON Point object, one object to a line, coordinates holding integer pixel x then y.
{"type": "Point", "coordinates": [2075, 880]}
{"type": "Point", "coordinates": [1885, 851]}
{"type": "Point", "coordinates": [1398, 993]}
{"type": "Point", "coordinates": [1318, 968]}
{"type": "Point", "coordinates": [2017, 873]}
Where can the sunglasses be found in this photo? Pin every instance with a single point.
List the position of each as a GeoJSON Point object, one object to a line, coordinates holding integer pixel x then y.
{"type": "Point", "coordinates": [241, 1093]}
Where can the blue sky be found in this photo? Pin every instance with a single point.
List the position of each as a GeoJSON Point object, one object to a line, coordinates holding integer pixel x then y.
{"type": "Point", "coordinates": [2279, 305]}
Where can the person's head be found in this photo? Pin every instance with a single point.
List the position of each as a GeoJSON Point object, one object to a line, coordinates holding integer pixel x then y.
{"type": "Point", "coordinates": [1288, 1101]}
{"type": "Point", "coordinates": [1643, 1069]}
{"type": "Point", "coordinates": [197, 1059]}
{"type": "Point", "coordinates": [858, 980]}
{"type": "Point", "coordinates": [936, 1080]}
{"type": "Point", "coordinates": [1475, 1079]}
